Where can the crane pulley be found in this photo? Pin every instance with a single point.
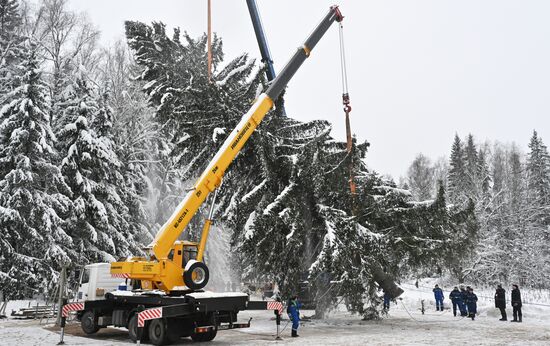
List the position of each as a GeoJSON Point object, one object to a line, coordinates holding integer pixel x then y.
{"type": "Point", "coordinates": [347, 106]}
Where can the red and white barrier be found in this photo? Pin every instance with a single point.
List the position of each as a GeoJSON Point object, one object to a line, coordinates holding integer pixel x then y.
{"type": "Point", "coordinates": [150, 314]}
{"type": "Point", "coordinates": [71, 307]}
{"type": "Point", "coordinates": [275, 306]}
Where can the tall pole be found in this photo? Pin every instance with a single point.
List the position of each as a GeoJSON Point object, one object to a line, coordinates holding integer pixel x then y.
{"type": "Point", "coordinates": [209, 40]}
{"type": "Point", "coordinates": [62, 289]}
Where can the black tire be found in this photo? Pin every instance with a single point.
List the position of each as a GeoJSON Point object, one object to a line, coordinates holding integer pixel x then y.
{"type": "Point", "coordinates": [158, 332]}
{"type": "Point", "coordinates": [132, 329]}
{"type": "Point", "coordinates": [201, 275]}
{"type": "Point", "coordinates": [203, 337]}
{"type": "Point", "coordinates": [88, 323]}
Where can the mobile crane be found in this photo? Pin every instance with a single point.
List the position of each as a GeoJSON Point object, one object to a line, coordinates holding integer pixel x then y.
{"type": "Point", "coordinates": [170, 303]}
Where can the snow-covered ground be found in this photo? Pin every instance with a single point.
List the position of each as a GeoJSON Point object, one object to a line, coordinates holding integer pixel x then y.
{"type": "Point", "coordinates": [404, 325]}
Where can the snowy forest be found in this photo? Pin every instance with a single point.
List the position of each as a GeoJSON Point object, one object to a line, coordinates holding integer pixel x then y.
{"type": "Point", "coordinates": [99, 144]}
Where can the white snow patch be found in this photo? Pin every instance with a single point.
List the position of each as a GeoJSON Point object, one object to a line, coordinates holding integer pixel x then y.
{"type": "Point", "coordinates": [279, 198]}
{"type": "Point", "coordinates": [390, 189]}
{"type": "Point", "coordinates": [253, 191]}
{"type": "Point", "coordinates": [231, 74]}
{"type": "Point", "coordinates": [249, 226]}
{"type": "Point", "coordinates": [218, 132]}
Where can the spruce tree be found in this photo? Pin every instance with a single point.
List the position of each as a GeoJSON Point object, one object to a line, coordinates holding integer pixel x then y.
{"type": "Point", "coordinates": [286, 197]}
{"type": "Point", "coordinates": [33, 194]}
{"type": "Point", "coordinates": [10, 46]}
{"type": "Point", "coordinates": [457, 172]}
{"type": "Point", "coordinates": [538, 170]}
{"type": "Point", "coordinates": [97, 221]}
{"type": "Point", "coordinates": [471, 168]}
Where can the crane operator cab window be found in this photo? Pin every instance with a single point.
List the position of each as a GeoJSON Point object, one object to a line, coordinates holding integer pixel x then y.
{"type": "Point", "coordinates": [189, 253]}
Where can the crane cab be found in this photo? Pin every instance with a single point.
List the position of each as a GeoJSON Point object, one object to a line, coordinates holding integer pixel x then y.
{"type": "Point", "coordinates": [183, 252]}
{"type": "Point", "coordinates": [179, 271]}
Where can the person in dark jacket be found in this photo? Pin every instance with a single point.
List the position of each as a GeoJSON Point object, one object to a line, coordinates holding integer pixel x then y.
{"type": "Point", "coordinates": [516, 303]}
{"type": "Point", "coordinates": [293, 310]}
{"type": "Point", "coordinates": [438, 294]}
{"type": "Point", "coordinates": [500, 302]}
{"type": "Point", "coordinates": [471, 302]}
{"type": "Point", "coordinates": [456, 298]}
{"type": "Point", "coordinates": [463, 306]}
{"type": "Point", "coordinates": [387, 298]}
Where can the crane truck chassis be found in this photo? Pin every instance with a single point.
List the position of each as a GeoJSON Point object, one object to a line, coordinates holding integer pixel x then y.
{"type": "Point", "coordinates": [170, 303]}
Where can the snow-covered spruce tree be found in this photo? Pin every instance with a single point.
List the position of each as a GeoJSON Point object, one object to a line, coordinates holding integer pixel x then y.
{"type": "Point", "coordinates": [483, 181]}
{"type": "Point", "coordinates": [538, 194]}
{"type": "Point", "coordinates": [194, 115]}
{"type": "Point", "coordinates": [10, 45]}
{"type": "Point", "coordinates": [493, 265]}
{"type": "Point", "coordinates": [33, 194]}
{"type": "Point", "coordinates": [471, 170]}
{"type": "Point", "coordinates": [538, 172]}
{"type": "Point", "coordinates": [287, 191]}
{"type": "Point", "coordinates": [98, 221]}
{"type": "Point", "coordinates": [520, 219]}
{"type": "Point", "coordinates": [457, 173]}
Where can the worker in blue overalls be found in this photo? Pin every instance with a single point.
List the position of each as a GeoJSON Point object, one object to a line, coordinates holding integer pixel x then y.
{"type": "Point", "coordinates": [438, 295]}
{"type": "Point", "coordinates": [293, 310]}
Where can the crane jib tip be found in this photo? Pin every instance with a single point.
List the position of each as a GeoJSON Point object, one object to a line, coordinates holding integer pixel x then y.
{"type": "Point", "coordinates": [339, 16]}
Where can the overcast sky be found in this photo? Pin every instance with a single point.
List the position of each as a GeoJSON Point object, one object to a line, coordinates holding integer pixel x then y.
{"type": "Point", "coordinates": [419, 71]}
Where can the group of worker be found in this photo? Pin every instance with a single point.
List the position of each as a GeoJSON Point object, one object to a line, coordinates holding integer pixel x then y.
{"type": "Point", "coordinates": [466, 301]}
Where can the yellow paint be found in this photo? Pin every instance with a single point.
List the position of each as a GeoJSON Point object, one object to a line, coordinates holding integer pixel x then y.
{"type": "Point", "coordinates": [204, 238]}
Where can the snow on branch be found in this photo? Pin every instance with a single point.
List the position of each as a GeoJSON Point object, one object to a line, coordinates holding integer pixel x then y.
{"type": "Point", "coordinates": [279, 198]}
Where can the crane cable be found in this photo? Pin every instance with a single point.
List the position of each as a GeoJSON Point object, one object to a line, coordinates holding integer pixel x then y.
{"type": "Point", "coordinates": [347, 107]}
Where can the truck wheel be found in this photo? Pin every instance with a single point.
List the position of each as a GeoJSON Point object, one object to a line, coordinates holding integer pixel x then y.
{"type": "Point", "coordinates": [205, 336]}
{"type": "Point", "coordinates": [132, 329]}
{"type": "Point", "coordinates": [196, 275]}
{"type": "Point", "coordinates": [88, 322]}
{"type": "Point", "coordinates": [158, 332]}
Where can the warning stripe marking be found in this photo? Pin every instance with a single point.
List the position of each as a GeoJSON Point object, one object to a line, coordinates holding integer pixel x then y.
{"type": "Point", "coordinates": [150, 314]}
{"type": "Point", "coordinates": [122, 276]}
{"type": "Point", "coordinates": [275, 306]}
{"type": "Point", "coordinates": [71, 307]}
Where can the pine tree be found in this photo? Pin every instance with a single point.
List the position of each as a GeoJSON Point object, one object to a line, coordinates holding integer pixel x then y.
{"type": "Point", "coordinates": [33, 194]}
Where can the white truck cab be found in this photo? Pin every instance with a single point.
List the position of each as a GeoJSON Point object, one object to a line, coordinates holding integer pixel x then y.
{"type": "Point", "coordinates": [96, 280]}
